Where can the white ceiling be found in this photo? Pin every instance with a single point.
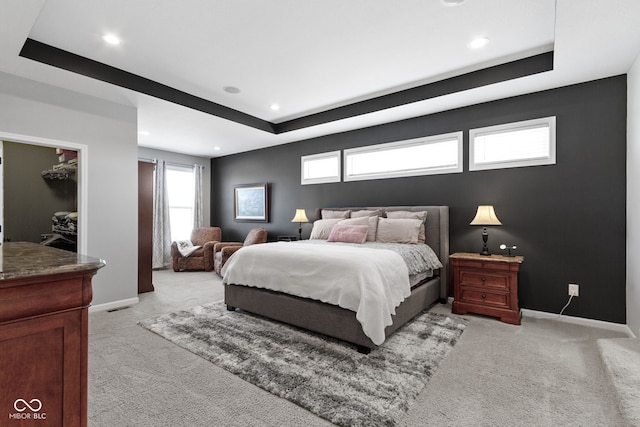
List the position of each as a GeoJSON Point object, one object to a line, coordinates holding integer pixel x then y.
{"type": "Point", "coordinates": [310, 56]}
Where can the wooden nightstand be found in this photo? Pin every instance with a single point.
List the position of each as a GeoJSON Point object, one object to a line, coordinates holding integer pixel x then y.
{"type": "Point", "coordinates": [486, 285]}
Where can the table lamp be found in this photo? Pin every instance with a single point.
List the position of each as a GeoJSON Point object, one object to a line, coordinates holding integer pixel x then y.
{"type": "Point", "coordinates": [485, 216]}
{"type": "Point", "coordinates": [300, 217]}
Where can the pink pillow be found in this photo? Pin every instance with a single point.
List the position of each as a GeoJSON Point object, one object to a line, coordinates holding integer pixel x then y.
{"type": "Point", "coordinates": [348, 233]}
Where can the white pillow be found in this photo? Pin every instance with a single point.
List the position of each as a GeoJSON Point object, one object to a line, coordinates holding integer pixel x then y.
{"type": "Point", "coordinates": [322, 228]}
{"type": "Point", "coordinates": [421, 215]}
{"type": "Point", "coordinates": [398, 230]}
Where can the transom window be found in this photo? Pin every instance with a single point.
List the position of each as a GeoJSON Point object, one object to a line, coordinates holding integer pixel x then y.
{"type": "Point", "coordinates": [526, 143]}
{"type": "Point", "coordinates": [320, 168]}
{"type": "Point", "coordinates": [421, 156]}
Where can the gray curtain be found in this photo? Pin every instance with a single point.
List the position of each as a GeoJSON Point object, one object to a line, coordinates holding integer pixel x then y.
{"type": "Point", "coordinates": [161, 222]}
{"type": "Point", "coordinates": [198, 211]}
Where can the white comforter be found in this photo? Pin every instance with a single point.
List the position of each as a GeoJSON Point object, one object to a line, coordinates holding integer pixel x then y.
{"type": "Point", "coordinates": [371, 282]}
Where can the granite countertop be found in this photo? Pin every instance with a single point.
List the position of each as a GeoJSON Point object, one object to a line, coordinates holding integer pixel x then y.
{"type": "Point", "coordinates": [24, 259]}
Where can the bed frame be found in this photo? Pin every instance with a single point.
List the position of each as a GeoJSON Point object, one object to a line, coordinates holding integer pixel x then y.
{"type": "Point", "coordinates": [341, 323]}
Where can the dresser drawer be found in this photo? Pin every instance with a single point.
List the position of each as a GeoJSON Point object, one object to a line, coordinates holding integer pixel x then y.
{"type": "Point", "coordinates": [475, 296]}
{"type": "Point", "coordinates": [484, 279]}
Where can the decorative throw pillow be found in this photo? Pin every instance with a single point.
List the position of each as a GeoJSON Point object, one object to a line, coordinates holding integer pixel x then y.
{"type": "Point", "coordinates": [349, 233]}
{"type": "Point", "coordinates": [322, 228]}
{"type": "Point", "coordinates": [398, 230]}
{"type": "Point", "coordinates": [421, 215]}
{"type": "Point", "coordinates": [331, 214]}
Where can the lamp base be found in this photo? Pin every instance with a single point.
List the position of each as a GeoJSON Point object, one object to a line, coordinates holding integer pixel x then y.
{"type": "Point", "coordinates": [485, 237]}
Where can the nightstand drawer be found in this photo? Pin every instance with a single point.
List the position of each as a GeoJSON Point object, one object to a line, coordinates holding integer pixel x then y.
{"type": "Point", "coordinates": [475, 296]}
{"type": "Point", "coordinates": [484, 279]}
{"type": "Point", "coordinates": [482, 264]}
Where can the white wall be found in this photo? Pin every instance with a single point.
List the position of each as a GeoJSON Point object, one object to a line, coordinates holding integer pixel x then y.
{"type": "Point", "coordinates": [633, 198]}
{"type": "Point", "coordinates": [185, 159]}
{"type": "Point", "coordinates": [34, 110]}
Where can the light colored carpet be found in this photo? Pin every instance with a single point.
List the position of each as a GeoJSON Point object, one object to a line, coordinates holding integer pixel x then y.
{"type": "Point", "coordinates": [326, 376]}
{"type": "Point", "coordinates": [621, 357]}
{"type": "Point", "coordinates": [543, 373]}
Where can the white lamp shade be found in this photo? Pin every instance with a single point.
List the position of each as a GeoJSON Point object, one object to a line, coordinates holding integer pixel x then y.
{"type": "Point", "coordinates": [485, 216]}
{"type": "Point", "coordinates": [300, 216]}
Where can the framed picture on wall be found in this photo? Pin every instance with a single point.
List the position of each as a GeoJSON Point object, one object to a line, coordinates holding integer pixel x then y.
{"type": "Point", "coordinates": [251, 202]}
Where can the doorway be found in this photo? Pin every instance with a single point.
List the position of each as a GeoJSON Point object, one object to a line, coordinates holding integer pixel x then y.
{"type": "Point", "coordinates": [40, 195]}
{"type": "Point", "coordinates": [145, 226]}
{"type": "Point", "coordinates": [74, 190]}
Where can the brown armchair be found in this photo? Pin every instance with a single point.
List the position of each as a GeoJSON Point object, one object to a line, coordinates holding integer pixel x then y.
{"type": "Point", "coordinates": [223, 250]}
{"type": "Point", "coordinates": [201, 258]}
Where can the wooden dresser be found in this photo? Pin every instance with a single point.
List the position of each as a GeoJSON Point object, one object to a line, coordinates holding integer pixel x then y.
{"type": "Point", "coordinates": [486, 285]}
{"type": "Point", "coordinates": [44, 299]}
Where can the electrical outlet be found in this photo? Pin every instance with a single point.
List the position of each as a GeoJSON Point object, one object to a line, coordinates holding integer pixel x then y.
{"type": "Point", "coordinates": [574, 289]}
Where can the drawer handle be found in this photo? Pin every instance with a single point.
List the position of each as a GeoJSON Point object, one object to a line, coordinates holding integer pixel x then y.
{"type": "Point", "coordinates": [484, 296]}
{"type": "Point", "coordinates": [483, 279]}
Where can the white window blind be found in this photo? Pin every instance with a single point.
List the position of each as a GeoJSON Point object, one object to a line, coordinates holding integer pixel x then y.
{"type": "Point", "coordinates": [422, 156]}
{"type": "Point", "coordinates": [527, 143]}
{"type": "Point", "coordinates": [320, 168]}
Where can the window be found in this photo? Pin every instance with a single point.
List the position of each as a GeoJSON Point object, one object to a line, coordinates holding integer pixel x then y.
{"type": "Point", "coordinates": [422, 156]}
{"type": "Point", "coordinates": [527, 143]}
{"type": "Point", "coordinates": [320, 168]}
{"type": "Point", "coordinates": [181, 189]}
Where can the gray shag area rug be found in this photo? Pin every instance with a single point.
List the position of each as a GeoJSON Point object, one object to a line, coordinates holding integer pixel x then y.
{"type": "Point", "coordinates": [325, 376]}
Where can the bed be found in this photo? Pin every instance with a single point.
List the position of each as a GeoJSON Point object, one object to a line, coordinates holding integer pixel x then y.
{"type": "Point", "coordinates": [246, 281]}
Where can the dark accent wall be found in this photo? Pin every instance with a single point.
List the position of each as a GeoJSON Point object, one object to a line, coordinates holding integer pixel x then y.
{"type": "Point", "coordinates": [568, 219]}
{"type": "Point", "coordinates": [30, 200]}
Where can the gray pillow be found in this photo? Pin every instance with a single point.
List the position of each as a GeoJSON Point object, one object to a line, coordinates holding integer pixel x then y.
{"type": "Point", "coordinates": [401, 230]}
{"type": "Point", "coordinates": [322, 228]}
{"type": "Point", "coordinates": [330, 214]}
{"type": "Point", "coordinates": [421, 215]}
{"type": "Point", "coordinates": [363, 212]}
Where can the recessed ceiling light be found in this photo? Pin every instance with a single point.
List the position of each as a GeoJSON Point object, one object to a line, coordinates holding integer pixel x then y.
{"type": "Point", "coordinates": [231, 89]}
{"type": "Point", "coordinates": [216, 148]}
{"type": "Point", "coordinates": [111, 39]}
{"type": "Point", "coordinates": [275, 107]}
{"type": "Point", "coordinates": [452, 2]}
{"type": "Point", "coordinates": [144, 132]}
{"type": "Point", "coordinates": [478, 42]}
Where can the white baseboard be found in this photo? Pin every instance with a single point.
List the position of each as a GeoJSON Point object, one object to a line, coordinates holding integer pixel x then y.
{"type": "Point", "coordinates": [618, 327]}
{"type": "Point", "coordinates": [114, 305]}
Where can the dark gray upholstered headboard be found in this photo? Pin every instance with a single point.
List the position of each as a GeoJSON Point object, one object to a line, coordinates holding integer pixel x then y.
{"type": "Point", "coordinates": [437, 232]}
